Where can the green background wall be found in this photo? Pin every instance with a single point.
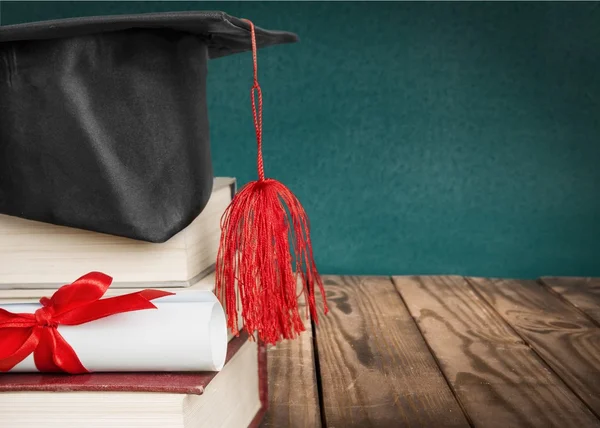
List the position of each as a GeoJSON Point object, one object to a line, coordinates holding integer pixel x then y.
{"type": "Point", "coordinates": [422, 138]}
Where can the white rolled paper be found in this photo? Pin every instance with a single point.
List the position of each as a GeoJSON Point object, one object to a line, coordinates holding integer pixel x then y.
{"type": "Point", "coordinates": [188, 332]}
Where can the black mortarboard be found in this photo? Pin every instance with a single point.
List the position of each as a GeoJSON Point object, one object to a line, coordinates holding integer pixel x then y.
{"type": "Point", "coordinates": [103, 120]}
{"type": "Point", "coordinates": [103, 126]}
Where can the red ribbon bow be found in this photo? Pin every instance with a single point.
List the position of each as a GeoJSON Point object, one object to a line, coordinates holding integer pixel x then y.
{"type": "Point", "coordinates": [72, 304]}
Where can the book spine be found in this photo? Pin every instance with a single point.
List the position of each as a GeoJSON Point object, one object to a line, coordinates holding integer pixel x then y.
{"type": "Point", "coordinates": [263, 385]}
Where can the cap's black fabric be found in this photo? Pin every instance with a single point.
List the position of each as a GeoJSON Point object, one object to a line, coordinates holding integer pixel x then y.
{"type": "Point", "coordinates": [103, 120]}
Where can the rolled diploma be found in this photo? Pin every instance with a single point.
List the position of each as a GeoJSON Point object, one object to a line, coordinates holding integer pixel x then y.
{"type": "Point", "coordinates": [187, 332]}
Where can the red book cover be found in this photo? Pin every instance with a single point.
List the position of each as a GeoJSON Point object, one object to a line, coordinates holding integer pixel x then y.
{"type": "Point", "coordinates": [176, 383]}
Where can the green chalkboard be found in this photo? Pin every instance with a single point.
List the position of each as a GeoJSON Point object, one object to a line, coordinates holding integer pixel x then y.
{"type": "Point", "coordinates": [422, 138]}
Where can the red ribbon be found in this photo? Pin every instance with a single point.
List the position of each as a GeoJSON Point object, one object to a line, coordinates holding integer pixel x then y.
{"type": "Point", "coordinates": [72, 304]}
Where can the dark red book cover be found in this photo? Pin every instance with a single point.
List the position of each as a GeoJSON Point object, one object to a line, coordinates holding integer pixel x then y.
{"type": "Point", "coordinates": [168, 382]}
{"type": "Point", "coordinates": [176, 383]}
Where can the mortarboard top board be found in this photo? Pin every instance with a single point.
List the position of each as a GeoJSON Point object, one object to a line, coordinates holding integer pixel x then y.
{"type": "Point", "coordinates": [103, 120]}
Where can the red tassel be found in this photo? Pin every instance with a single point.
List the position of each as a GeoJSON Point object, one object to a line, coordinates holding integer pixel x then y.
{"type": "Point", "coordinates": [265, 247]}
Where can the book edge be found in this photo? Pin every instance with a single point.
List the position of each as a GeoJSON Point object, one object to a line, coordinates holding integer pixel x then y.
{"type": "Point", "coordinates": [219, 184]}
{"type": "Point", "coordinates": [204, 378]}
{"type": "Point", "coordinates": [263, 386]}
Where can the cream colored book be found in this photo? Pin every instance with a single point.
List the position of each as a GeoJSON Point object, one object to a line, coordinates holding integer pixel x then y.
{"type": "Point", "coordinates": [231, 398]}
{"type": "Point", "coordinates": [40, 255]}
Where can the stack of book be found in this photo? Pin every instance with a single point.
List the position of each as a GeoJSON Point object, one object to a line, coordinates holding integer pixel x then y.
{"type": "Point", "coordinates": [38, 258]}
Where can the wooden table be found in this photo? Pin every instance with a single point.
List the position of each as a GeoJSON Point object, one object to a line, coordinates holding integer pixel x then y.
{"type": "Point", "coordinates": [444, 351]}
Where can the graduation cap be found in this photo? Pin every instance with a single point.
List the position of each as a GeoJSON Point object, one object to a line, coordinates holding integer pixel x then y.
{"type": "Point", "coordinates": [104, 127]}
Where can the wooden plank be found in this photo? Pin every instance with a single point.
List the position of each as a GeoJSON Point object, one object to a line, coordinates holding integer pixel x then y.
{"type": "Point", "coordinates": [584, 293]}
{"type": "Point", "coordinates": [499, 380]}
{"type": "Point", "coordinates": [564, 337]}
{"type": "Point", "coordinates": [376, 370]}
{"type": "Point", "coordinates": [293, 396]}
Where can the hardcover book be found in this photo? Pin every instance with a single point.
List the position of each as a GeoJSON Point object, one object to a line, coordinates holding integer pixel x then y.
{"type": "Point", "coordinates": [40, 255]}
{"type": "Point", "coordinates": [235, 397]}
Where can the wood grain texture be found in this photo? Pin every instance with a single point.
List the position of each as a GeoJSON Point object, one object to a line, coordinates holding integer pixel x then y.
{"type": "Point", "coordinates": [499, 380]}
{"type": "Point", "coordinates": [293, 396]}
{"type": "Point", "coordinates": [564, 337]}
{"type": "Point", "coordinates": [376, 370]}
{"type": "Point", "coordinates": [584, 293]}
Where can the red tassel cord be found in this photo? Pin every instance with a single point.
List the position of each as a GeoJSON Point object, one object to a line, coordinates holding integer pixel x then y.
{"type": "Point", "coordinates": [266, 250]}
